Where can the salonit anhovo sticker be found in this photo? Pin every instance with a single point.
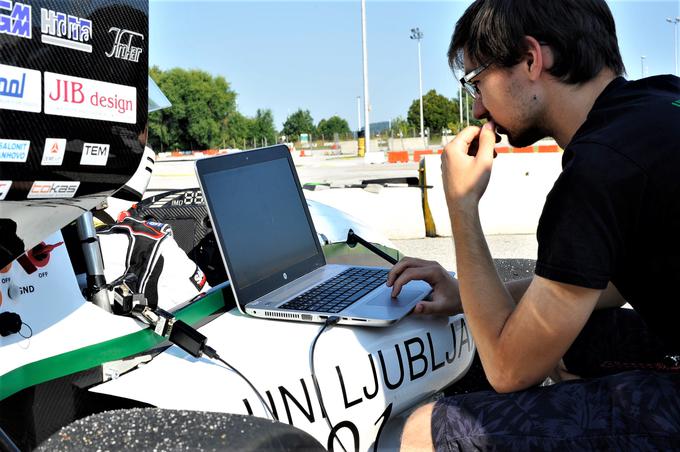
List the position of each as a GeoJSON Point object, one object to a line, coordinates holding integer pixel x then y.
{"type": "Point", "coordinates": [5, 185]}
{"type": "Point", "coordinates": [53, 189]}
{"type": "Point", "coordinates": [90, 99]}
{"type": "Point", "coordinates": [14, 150]}
{"type": "Point", "coordinates": [95, 154]}
{"type": "Point", "coordinates": [20, 88]}
{"type": "Point", "coordinates": [53, 154]}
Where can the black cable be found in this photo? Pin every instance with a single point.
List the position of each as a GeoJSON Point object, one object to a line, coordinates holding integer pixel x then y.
{"type": "Point", "coordinates": [191, 341]}
{"type": "Point", "coordinates": [212, 353]}
{"type": "Point", "coordinates": [329, 322]}
{"type": "Point", "coordinates": [6, 443]}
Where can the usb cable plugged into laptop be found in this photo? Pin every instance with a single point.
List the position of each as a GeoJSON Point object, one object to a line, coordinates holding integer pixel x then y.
{"type": "Point", "coordinates": [330, 321]}
{"type": "Point", "coordinates": [178, 332]}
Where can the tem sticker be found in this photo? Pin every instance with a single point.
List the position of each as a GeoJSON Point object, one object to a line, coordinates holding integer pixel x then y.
{"type": "Point", "coordinates": [53, 155]}
{"type": "Point", "coordinates": [95, 154]}
{"type": "Point", "coordinates": [14, 150]}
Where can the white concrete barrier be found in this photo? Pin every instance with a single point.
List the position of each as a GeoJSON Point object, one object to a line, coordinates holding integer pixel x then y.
{"type": "Point", "coordinates": [395, 211]}
{"type": "Point", "coordinates": [514, 199]}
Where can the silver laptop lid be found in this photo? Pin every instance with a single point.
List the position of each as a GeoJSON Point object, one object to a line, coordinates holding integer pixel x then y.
{"type": "Point", "coordinates": [260, 218]}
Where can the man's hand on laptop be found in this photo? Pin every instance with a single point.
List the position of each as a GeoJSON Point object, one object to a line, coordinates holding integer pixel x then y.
{"type": "Point", "coordinates": [445, 298]}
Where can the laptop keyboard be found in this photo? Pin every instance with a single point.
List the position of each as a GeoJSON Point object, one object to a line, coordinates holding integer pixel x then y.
{"type": "Point", "coordinates": [340, 291]}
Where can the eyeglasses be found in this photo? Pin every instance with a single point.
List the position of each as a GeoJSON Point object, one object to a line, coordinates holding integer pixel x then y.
{"type": "Point", "coordinates": [471, 87]}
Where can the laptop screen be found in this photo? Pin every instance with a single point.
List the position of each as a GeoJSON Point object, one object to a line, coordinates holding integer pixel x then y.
{"type": "Point", "coordinates": [261, 219]}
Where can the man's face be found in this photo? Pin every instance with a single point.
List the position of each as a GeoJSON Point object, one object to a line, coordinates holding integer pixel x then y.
{"type": "Point", "coordinates": [506, 98]}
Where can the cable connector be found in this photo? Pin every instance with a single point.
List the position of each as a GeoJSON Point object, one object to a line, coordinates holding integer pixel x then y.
{"type": "Point", "coordinates": [190, 340]}
{"type": "Point", "coordinates": [332, 320]}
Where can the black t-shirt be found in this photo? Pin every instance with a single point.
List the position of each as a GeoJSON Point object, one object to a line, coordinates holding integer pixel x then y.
{"type": "Point", "coordinates": [614, 212]}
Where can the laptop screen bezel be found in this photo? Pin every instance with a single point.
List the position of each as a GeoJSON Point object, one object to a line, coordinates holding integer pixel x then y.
{"type": "Point", "coordinates": [206, 166]}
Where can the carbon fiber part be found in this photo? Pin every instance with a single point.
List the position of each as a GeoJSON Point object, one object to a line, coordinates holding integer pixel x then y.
{"type": "Point", "coordinates": [186, 213]}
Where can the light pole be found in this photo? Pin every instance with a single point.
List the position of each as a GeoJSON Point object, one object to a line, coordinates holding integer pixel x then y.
{"type": "Point", "coordinates": [460, 104]}
{"type": "Point", "coordinates": [418, 35]}
{"type": "Point", "coordinates": [675, 22]}
{"type": "Point", "coordinates": [358, 115]}
{"type": "Point", "coordinates": [642, 60]}
{"type": "Point", "coordinates": [467, 110]}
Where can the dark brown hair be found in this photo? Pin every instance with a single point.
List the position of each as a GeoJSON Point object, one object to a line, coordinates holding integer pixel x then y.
{"type": "Point", "coordinates": [581, 34]}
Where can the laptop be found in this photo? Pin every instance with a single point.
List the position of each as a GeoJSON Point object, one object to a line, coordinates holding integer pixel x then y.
{"type": "Point", "coordinates": [272, 252]}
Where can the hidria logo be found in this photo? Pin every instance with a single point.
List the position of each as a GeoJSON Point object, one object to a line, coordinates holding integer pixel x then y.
{"type": "Point", "coordinates": [20, 89]}
{"type": "Point", "coordinates": [64, 30]}
{"type": "Point", "coordinates": [15, 19]}
{"type": "Point", "coordinates": [122, 45]}
{"type": "Point", "coordinates": [14, 150]}
{"type": "Point", "coordinates": [84, 98]}
{"type": "Point", "coordinates": [676, 103]}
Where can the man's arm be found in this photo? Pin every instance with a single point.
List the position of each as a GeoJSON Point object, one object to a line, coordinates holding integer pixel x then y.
{"type": "Point", "coordinates": [519, 344]}
{"type": "Point", "coordinates": [609, 298]}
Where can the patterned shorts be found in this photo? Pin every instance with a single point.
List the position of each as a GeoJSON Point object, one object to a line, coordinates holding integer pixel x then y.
{"type": "Point", "coordinates": [608, 410]}
{"type": "Point", "coordinates": [636, 410]}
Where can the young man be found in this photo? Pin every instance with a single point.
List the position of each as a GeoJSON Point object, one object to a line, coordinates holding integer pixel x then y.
{"type": "Point", "coordinates": [608, 235]}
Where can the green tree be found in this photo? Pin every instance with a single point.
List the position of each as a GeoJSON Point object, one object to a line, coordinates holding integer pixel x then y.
{"type": "Point", "coordinates": [297, 123]}
{"type": "Point", "coordinates": [399, 125]}
{"type": "Point", "coordinates": [235, 130]}
{"type": "Point", "coordinates": [200, 103]}
{"type": "Point", "coordinates": [439, 112]}
{"type": "Point", "coordinates": [262, 127]}
{"type": "Point", "coordinates": [329, 127]}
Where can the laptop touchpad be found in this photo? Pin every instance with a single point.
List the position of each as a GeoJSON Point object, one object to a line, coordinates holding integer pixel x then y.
{"type": "Point", "coordinates": [406, 297]}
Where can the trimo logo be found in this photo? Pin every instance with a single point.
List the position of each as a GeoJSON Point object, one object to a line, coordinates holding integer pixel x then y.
{"type": "Point", "coordinates": [53, 155]}
{"type": "Point", "coordinates": [676, 103]}
{"type": "Point", "coordinates": [15, 19]}
{"type": "Point", "coordinates": [63, 30]}
{"type": "Point", "coordinates": [47, 189]}
{"type": "Point", "coordinates": [4, 188]}
{"type": "Point", "coordinates": [122, 45]}
{"type": "Point", "coordinates": [94, 154]}
{"type": "Point", "coordinates": [84, 98]}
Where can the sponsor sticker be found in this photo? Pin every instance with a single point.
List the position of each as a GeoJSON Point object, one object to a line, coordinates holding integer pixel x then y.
{"type": "Point", "coordinates": [15, 19]}
{"type": "Point", "coordinates": [64, 30]}
{"type": "Point", "coordinates": [47, 189]}
{"type": "Point", "coordinates": [20, 89]}
{"type": "Point", "coordinates": [14, 150]}
{"type": "Point", "coordinates": [4, 188]}
{"type": "Point", "coordinates": [123, 47]}
{"type": "Point", "coordinates": [198, 279]}
{"type": "Point", "coordinates": [95, 154]}
{"type": "Point", "coordinates": [55, 148]}
{"type": "Point", "coordinates": [91, 99]}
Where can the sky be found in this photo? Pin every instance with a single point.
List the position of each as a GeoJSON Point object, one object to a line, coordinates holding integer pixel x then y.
{"type": "Point", "coordinates": [284, 55]}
